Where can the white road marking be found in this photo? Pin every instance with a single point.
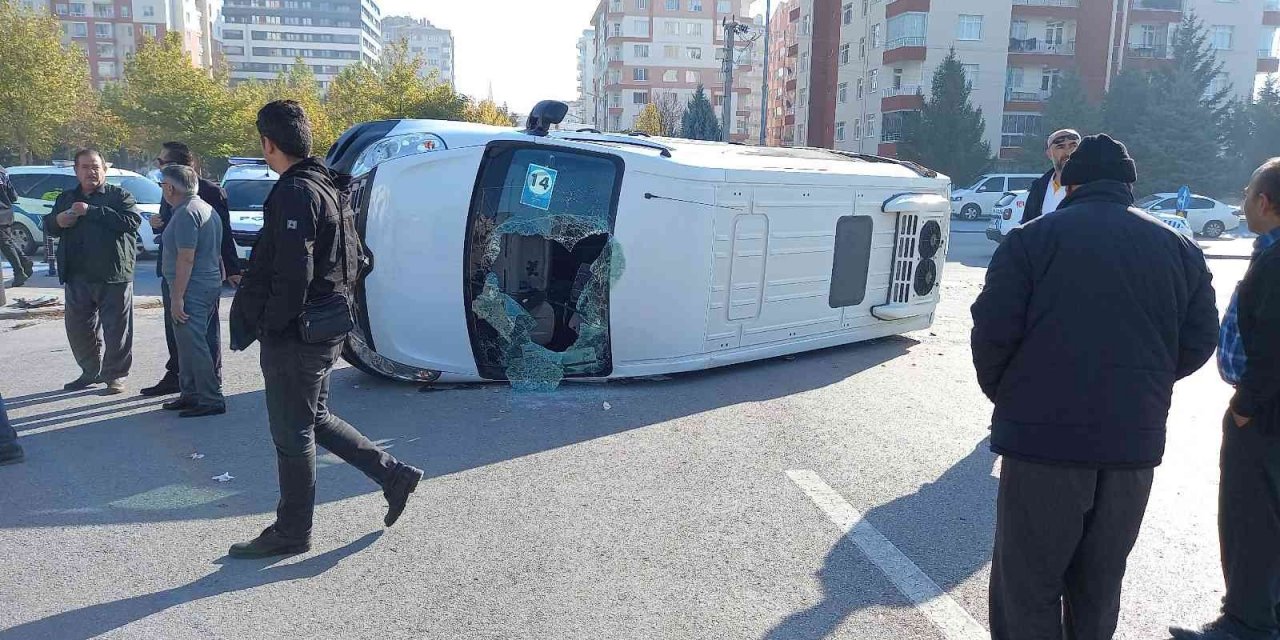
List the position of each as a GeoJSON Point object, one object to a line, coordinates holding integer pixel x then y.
{"type": "Point", "coordinates": [944, 612]}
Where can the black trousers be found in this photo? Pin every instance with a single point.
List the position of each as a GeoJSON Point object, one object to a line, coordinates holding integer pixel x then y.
{"type": "Point", "coordinates": [1249, 528]}
{"type": "Point", "coordinates": [297, 390]}
{"type": "Point", "coordinates": [1063, 536]}
{"type": "Point", "coordinates": [12, 252]}
{"type": "Point", "coordinates": [213, 334]}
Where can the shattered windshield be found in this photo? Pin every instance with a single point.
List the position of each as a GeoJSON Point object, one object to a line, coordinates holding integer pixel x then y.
{"type": "Point", "coordinates": [541, 261]}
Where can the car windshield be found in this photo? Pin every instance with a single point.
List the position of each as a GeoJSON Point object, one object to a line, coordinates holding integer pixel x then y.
{"type": "Point", "coordinates": [1148, 201]}
{"type": "Point", "coordinates": [144, 190]}
{"type": "Point", "coordinates": [247, 195]}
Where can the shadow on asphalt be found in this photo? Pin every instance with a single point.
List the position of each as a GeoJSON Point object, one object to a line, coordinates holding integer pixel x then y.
{"type": "Point", "coordinates": [232, 576]}
{"type": "Point", "coordinates": [109, 465]}
{"type": "Point", "coordinates": [947, 528]}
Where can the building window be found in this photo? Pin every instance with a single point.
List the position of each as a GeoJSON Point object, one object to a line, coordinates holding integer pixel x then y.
{"type": "Point", "coordinates": [77, 9]}
{"type": "Point", "coordinates": [1018, 30]}
{"type": "Point", "coordinates": [804, 62]}
{"type": "Point", "coordinates": [640, 50]}
{"type": "Point", "coordinates": [892, 126]}
{"type": "Point", "coordinates": [671, 51]}
{"type": "Point", "coordinates": [148, 11]}
{"type": "Point", "coordinates": [670, 75]}
{"type": "Point", "coordinates": [640, 27]}
{"type": "Point", "coordinates": [844, 54]}
{"type": "Point", "coordinates": [723, 6]}
{"type": "Point", "coordinates": [862, 48]}
{"type": "Point", "coordinates": [1223, 36]}
{"type": "Point", "coordinates": [615, 100]}
{"type": "Point", "coordinates": [897, 78]}
{"type": "Point", "coordinates": [842, 92]}
{"type": "Point", "coordinates": [876, 42]}
{"type": "Point", "coordinates": [857, 94]}
{"type": "Point", "coordinates": [695, 5]}
{"type": "Point", "coordinates": [839, 132]}
{"type": "Point", "coordinates": [79, 29]}
{"type": "Point", "coordinates": [640, 97]}
{"type": "Point", "coordinates": [969, 28]}
{"type": "Point", "coordinates": [692, 77]}
{"type": "Point", "coordinates": [642, 5]}
{"type": "Point", "coordinates": [640, 74]}
{"type": "Point", "coordinates": [106, 70]}
{"type": "Point", "coordinates": [695, 53]}
{"type": "Point", "coordinates": [233, 34]}
{"type": "Point", "coordinates": [673, 5]}
{"type": "Point", "coordinates": [803, 98]}
{"type": "Point", "coordinates": [806, 27]}
{"type": "Point", "coordinates": [671, 28]}
{"type": "Point", "coordinates": [1016, 126]}
{"type": "Point", "coordinates": [694, 28]}
{"type": "Point", "coordinates": [971, 73]}
{"type": "Point", "coordinates": [848, 13]}
{"type": "Point", "coordinates": [1055, 32]}
{"type": "Point", "coordinates": [102, 30]}
{"type": "Point", "coordinates": [864, 8]}
{"type": "Point", "coordinates": [907, 30]}
{"type": "Point", "coordinates": [873, 83]}
{"type": "Point", "coordinates": [871, 126]}
{"type": "Point", "coordinates": [1049, 79]}
{"type": "Point", "coordinates": [106, 50]}
{"type": "Point", "coordinates": [615, 29]}
{"type": "Point", "coordinates": [857, 129]}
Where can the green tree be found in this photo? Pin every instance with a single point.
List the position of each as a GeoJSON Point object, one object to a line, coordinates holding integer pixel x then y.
{"type": "Point", "coordinates": [45, 91]}
{"type": "Point", "coordinates": [299, 83]}
{"type": "Point", "coordinates": [947, 134]}
{"type": "Point", "coordinates": [1127, 104]}
{"type": "Point", "coordinates": [650, 120]}
{"type": "Point", "coordinates": [1251, 131]}
{"type": "Point", "coordinates": [699, 121]}
{"type": "Point", "coordinates": [1067, 108]}
{"type": "Point", "coordinates": [1178, 140]}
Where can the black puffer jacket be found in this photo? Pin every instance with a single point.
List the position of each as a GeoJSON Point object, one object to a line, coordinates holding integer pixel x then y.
{"type": "Point", "coordinates": [1088, 316]}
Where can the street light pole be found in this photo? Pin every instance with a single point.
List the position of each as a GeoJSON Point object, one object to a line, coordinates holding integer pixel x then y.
{"type": "Point", "coordinates": [764, 86]}
{"type": "Point", "coordinates": [730, 32]}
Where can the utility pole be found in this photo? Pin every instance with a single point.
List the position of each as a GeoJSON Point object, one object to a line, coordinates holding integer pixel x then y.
{"type": "Point", "coordinates": [732, 29]}
{"type": "Point", "coordinates": [764, 86]}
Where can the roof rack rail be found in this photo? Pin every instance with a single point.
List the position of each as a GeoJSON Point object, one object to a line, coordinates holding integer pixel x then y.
{"type": "Point", "coordinates": [662, 149]}
{"type": "Point", "coordinates": [237, 161]}
{"type": "Point", "coordinates": [921, 170]}
{"type": "Point", "coordinates": [587, 130]}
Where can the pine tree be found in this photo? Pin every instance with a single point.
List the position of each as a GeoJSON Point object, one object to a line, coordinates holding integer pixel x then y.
{"type": "Point", "coordinates": [699, 122]}
{"type": "Point", "coordinates": [1127, 104]}
{"type": "Point", "coordinates": [1068, 108]}
{"type": "Point", "coordinates": [1251, 130]}
{"type": "Point", "coordinates": [947, 135]}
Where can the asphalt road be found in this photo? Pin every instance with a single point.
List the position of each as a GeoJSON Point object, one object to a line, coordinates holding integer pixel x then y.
{"type": "Point", "coordinates": [708, 505]}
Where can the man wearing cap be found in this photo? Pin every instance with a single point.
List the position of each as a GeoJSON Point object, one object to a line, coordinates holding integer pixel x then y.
{"type": "Point", "coordinates": [1048, 192]}
{"type": "Point", "coordinates": [1078, 339]}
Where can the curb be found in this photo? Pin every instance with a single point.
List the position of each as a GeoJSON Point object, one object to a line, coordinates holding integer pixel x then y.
{"type": "Point", "coordinates": [56, 311]}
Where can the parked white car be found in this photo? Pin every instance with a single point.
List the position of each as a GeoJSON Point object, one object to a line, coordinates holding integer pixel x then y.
{"type": "Point", "coordinates": [247, 182]}
{"type": "Point", "coordinates": [979, 199]}
{"type": "Point", "coordinates": [1206, 216]}
{"type": "Point", "coordinates": [1007, 215]}
{"type": "Point", "coordinates": [39, 186]}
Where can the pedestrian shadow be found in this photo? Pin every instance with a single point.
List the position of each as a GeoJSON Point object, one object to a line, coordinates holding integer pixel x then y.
{"type": "Point", "coordinates": [33, 399]}
{"type": "Point", "coordinates": [152, 467]}
{"type": "Point", "coordinates": [947, 529]}
{"type": "Point", "coordinates": [97, 410]}
{"type": "Point", "coordinates": [233, 575]}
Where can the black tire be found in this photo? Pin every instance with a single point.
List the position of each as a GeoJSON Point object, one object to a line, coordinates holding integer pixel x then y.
{"type": "Point", "coordinates": [24, 239]}
{"type": "Point", "coordinates": [1213, 229]}
{"type": "Point", "coordinates": [970, 211]}
{"type": "Point", "coordinates": [354, 360]}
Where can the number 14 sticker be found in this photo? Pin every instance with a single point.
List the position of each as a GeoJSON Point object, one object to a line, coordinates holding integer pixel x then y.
{"type": "Point", "coordinates": [539, 184]}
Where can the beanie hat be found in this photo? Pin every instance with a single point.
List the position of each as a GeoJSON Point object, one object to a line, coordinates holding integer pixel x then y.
{"type": "Point", "coordinates": [1099, 158]}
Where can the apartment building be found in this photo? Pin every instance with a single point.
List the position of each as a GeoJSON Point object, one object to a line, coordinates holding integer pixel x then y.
{"type": "Point", "coordinates": [1014, 53]}
{"type": "Point", "coordinates": [262, 38]}
{"type": "Point", "coordinates": [583, 108]}
{"type": "Point", "coordinates": [660, 51]}
{"type": "Point", "coordinates": [110, 30]}
{"type": "Point", "coordinates": [433, 44]}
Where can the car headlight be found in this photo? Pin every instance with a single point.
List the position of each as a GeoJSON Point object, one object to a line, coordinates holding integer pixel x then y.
{"type": "Point", "coordinates": [408, 144]}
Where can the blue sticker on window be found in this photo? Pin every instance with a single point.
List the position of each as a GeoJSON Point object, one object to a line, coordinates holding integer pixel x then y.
{"type": "Point", "coordinates": [539, 184]}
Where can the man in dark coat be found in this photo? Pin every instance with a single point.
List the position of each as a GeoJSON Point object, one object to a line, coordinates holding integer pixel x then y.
{"type": "Point", "coordinates": [9, 247]}
{"type": "Point", "coordinates": [307, 256]}
{"type": "Point", "coordinates": [1047, 192]}
{"type": "Point", "coordinates": [1249, 492]}
{"type": "Point", "coordinates": [97, 224]}
{"type": "Point", "coordinates": [1087, 318]}
{"type": "Point", "coordinates": [210, 192]}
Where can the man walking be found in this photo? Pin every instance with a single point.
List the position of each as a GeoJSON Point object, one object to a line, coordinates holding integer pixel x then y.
{"type": "Point", "coordinates": [9, 246]}
{"type": "Point", "coordinates": [179, 154]}
{"type": "Point", "coordinates": [1047, 192]}
{"type": "Point", "coordinates": [1078, 338]}
{"type": "Point", "coordinates": [305, 260]}
{"type": "Point", "coordinates": [97, 223]}
{"type": "Point", "coordinates": [1249, 492]}
{"type": "Point", "coordinates": [192, 270]}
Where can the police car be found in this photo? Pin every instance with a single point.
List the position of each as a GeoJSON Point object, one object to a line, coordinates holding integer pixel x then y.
{"type": "Point", "coordinates": [38, 186]}
{"type": "Point", "coordinates": [536, 256]}
{"type": "Point", "coordinates": [247, 182]}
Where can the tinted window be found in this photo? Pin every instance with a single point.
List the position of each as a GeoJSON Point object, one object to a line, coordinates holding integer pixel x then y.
{"type": "Point", "coordinates": [45, 186]}
{"type": "Point", "coordinates": [1020, 184]}
{"type": "Point", "coordinates": [1166, 204]}
{"type": "Point", "coordinates": [994, 184]}
{"type": "Point", "coordinates": [852, 261]}
{"type": "Point", "coordinates": [144, 190]}
{"type": "Point", "coordinates": [1201, 203]}
{"type": "Point", "coordinates": [27, 184]}
{"type": "Point", "coordinates": [1147, 201]}
{"type": "Point", "coordinates": [247, 195]}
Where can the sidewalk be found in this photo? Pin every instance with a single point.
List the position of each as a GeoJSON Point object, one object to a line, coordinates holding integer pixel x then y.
{"type": "Point", "coordinates": [146, 290]}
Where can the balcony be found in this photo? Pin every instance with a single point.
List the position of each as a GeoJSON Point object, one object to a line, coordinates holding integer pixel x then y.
{"type": "Point", "coordinates": [1159, 5]}
{"type": "Point", "coordinates": [1018, 95]}
{"type": "Point", "coordinates": [1264, 54]}
{"type": "Point", "coordinates": [1144, 50]}
{"type": "Point", "coordinates": [909, 41]}
{"type": "Point", "coordinates": [904, 90]}
{"type": "Point", "coordinates": [1041, 47]}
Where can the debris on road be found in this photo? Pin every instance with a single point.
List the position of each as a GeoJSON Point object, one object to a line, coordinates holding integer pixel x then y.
{"type": "Point", "coordinates": [196, 456]}
{"type": "Point", "coordinates": [607, 406]}
{"type": "Point", "coordinates": [226, 477]}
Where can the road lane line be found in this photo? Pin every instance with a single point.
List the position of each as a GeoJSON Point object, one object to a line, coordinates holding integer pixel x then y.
{"type": "Point", "coordinates": [943, 611]}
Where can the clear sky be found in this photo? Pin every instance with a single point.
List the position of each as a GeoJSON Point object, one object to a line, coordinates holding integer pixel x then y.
{"type": "Point", "coordinates": [525, 48]}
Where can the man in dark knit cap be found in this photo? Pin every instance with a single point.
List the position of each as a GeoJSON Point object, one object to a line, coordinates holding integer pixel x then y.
{"type": "Point", "coordinates": [1088, 317]}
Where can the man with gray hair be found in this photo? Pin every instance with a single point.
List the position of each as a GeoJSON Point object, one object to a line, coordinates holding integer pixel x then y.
{"type": "Point", "coordinates": [192, 269]}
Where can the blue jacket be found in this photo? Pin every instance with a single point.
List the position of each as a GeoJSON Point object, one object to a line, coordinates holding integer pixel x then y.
{"type": "Point", "coordinates": [1087, 318]}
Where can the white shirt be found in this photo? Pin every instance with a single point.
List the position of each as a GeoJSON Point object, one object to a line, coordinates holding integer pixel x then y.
{"type": "Point", "coordinates": [1054, 194]}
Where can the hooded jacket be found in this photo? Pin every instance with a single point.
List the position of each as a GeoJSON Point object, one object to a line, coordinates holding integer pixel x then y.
{"type": "Point", "coordinates": [1087, 318]}
{"type": "Point", "coordinates": [299, 255]}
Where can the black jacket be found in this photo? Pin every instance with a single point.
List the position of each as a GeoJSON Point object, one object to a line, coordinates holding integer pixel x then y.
{"type": "Point", "coordinates": [1258, 308]}
{"type": "Point", "coordinates": [1087, 318]}
{"type": "Point", "coordinates": [1035, 197]}
{"type": "Point", "coordinates": [101, 246]}
{"type": "Point", "coordinates": [299, 256]}
{"type": "Point", "coordinates": [8, 196]}
{"type": "Point", "coordinates": [217, 198]}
